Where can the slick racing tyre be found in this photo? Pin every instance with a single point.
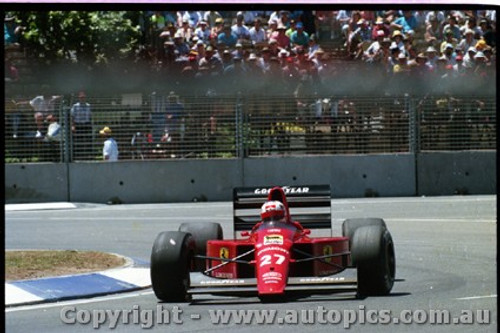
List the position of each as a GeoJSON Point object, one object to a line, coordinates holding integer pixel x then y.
{"type": "Point", "coordinates": [170, 265]}
{"type": "Point", "coordinates": [202, 232]}
{"type": "Point", "coordinates": [372, 253]}
{"type": "Point", "coordinates": [350, 225]}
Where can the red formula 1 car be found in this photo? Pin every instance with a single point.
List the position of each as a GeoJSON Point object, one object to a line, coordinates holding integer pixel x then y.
{"type": "Point", "coordinates": [275, 255]}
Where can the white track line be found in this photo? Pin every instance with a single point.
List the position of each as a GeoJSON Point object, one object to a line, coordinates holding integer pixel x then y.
{"type": "Point", "coordinates": [475, 297]}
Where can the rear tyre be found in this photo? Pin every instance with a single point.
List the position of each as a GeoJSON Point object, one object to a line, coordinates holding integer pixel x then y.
{"type": "Point", "coordinates": [202, 232]}
{"type": "Point", "coordinates": [170, 265]}
{"type": "Point", "coordinates": [372, 253]}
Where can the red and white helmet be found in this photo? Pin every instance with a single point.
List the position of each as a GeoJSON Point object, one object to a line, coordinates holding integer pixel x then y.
{"type": "Point", "coordinates": [272, 209]}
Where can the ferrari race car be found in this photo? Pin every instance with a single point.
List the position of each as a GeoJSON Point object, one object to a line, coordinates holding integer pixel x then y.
{"type": "Point", "coordinates": [274, 256]}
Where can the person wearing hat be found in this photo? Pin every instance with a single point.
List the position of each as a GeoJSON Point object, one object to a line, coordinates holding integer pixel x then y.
{"type": "Point", "coordinates": [185, 31]}
{"type": "Point", "coordinates": [81, 126]}
{"type": "Point", "coordinates": [110, 147]}
{"type": "Point", "coordinates": [211, 60]}
{"type": "Point", "coordinates": [217, 28]}
{"type": "Point", "coordinates": [380, 26]}
{"type": "Point", "coordinates": [431, 54]}
{"type": "Point", "coordinates": [212, 18]}
{"type": "Point", "coordinates": [240, 30]}
{"type": "Point", "coordinates": [202, 31]}
{"type": "Point", "coordinates": [180, 48]}
{"type": "Point", "coordinates": [468, 60]}
{"type": "Point", "coordinates": [257, 33]}
{"type": "Point", "coordinates": [299, 37]}
{"type": "Point", "coordinates": [398, 39]}
{"type": "Point", "coordinates": [468, 40]}
{"type": "Point", "coordinates": [280, 36]}
{"type": "Point", "coordinates": [360, 38]}
{"type": "Point", "coordinates": [373, 51]}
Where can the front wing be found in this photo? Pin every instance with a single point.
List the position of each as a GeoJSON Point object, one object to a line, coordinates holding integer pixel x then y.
{"type": "Point", "coordinates": [202, 284]}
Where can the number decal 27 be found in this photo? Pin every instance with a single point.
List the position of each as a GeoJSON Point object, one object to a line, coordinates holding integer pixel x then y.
{"type": "Point", "coordinates": [267, 259]}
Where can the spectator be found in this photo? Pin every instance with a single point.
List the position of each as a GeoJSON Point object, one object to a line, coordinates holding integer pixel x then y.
{"type": "Point", "coordinates": [52, 140]}
{"type": "Point", "coordinates": [453, 27]}
{"type": "Point", "coordinates": [449, 55]}
{"type": "Point", "coordinates": [281, 38]}
{"type": "Point", "coordinates": [284, 18]}
{"type": "Point", "coordinates": [257, 34]}
{"type": "Point", "coordinates": [240, 30]}
{"type": "Point", "coordinates": [110, 147]}
{"type": "Point", "coordinates": [212, 18]}
{"type": "Point", "coordinates": [405, 23]}
{"type": "Point", "coordinates": [438, 16]}
{"type": "Point", "coordinates": [468, 40]}
{"type": "Point", "coordinates": [351, 26]}
{"type": "Point", "coordinates": [248, 16]}
{"type": "Point", "coordinates": [313, 47]}
{"type": "Point", "coordinates": [380, 26]}
{"type": "Point", "coordinates": [291, 28]}
{"type": "Point", "coordinates": [211, 61]}
{"type": "Point", "coordinates": [273, 47]}
{"type": "Point", "coordinates": [487, 33]}
{"type": "Point", "coordinates": [180, 47]}
{"type": "Point", "coordinates": [272, 27]}
{"type": "Point", "coordinates": [372, 52]}
{"type": "Point", "coordinates": [449, 40]}
{"type": "Point", "coordinates": [433, 33]}
{"type": "Point", "coordinates": [12, 32]}
{"type": "Point", "coordinates": [468, 60]}
{"type": "Point", "coordinates": [227, 37]}
{"type": "Point", "coordinates": [192, 17]}
{"type": "Point", "coordinates": [202, 32]}
{"type": "Point", "coordinates": [53, 130]}
{"type": "Point", "coordinates": [10, 70]}
{"type": "Point", "coordinates": [360, 38]}
{"type": "Point", "coordinates": [299, 37]}
{"type": "Point", "coordinates": [185, 31]}
{"type": "Point", "coordinates": [217, 29]}
{"type": "Point", "coordinates": [398, 40]}
{"type": "Point", "coordinates": [43, 105]}
{"type": "Point", "coordinates": [81, 125]}
{"type": "Point", "coordinates": [264, 59]}
{"type": "Point", "coordinates": [238, 51]}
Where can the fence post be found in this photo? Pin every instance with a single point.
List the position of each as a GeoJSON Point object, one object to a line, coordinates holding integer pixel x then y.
{"type": "Point", "coordinates": [413, 130]}
{"type": "Point", "coordinates": [239, 127]}
{"type": "Point", "coordinates": [67, 134]}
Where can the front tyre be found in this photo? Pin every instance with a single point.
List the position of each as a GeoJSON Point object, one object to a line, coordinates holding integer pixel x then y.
{"type": "Point", "coordinates": [170, 265]}
{"type": "Point", "coordinates": [373, 254]}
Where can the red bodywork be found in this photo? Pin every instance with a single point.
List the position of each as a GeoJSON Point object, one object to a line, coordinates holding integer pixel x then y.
{"type": "Point", "coordinates": [281, 250]}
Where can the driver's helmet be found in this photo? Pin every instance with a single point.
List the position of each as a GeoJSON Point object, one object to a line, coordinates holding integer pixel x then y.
{"type": "Point", "coordinates": [273, 211]}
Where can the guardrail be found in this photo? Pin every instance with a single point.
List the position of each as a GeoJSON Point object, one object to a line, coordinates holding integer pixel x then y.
{"type": "Point", "coordinates": [164, 126]}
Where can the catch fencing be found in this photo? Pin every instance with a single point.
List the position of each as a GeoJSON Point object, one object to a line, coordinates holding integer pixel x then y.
{"type": "Point", "coordinates": [168, 127]}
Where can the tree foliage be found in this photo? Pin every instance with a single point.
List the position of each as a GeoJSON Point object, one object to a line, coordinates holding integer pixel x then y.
{"type": "Point", "coordinates": [85, 37]}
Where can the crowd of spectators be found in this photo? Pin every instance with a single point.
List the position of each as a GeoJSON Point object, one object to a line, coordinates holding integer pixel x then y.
{"type": "Point", "coordinates": [281, 51]}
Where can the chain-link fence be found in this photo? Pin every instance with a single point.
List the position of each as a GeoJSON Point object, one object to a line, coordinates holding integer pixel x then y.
{"type": "Point", "coordinates": [169, 126]}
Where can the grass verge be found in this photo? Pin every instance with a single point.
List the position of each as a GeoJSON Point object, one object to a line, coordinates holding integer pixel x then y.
{"type": "Point", "coordinates": [33, 264]}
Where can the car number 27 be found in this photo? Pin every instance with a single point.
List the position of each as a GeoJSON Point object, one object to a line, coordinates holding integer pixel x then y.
{"type": "Point", "coordinates": [267, 259]}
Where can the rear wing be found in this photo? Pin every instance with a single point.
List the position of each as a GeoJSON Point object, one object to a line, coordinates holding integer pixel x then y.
{"type": "Point", "coordinates": [309, 205]}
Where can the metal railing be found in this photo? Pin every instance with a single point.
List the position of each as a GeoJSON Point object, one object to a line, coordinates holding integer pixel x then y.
{"type": "Point", "coordinates": [164, 127]}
